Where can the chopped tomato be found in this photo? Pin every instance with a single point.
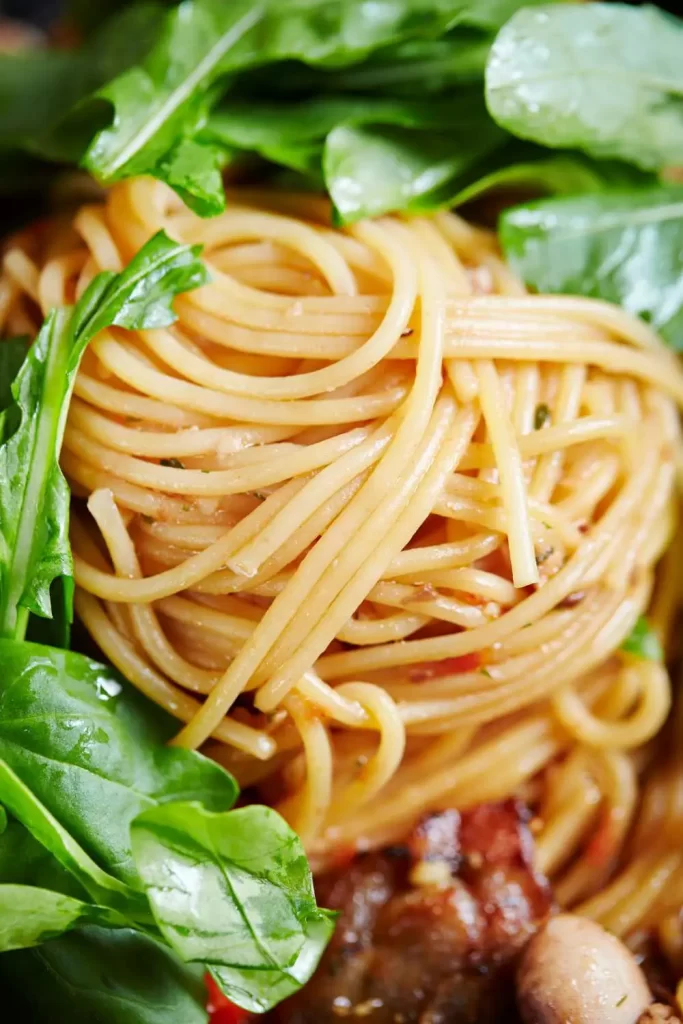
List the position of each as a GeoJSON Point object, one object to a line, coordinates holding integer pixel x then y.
{"type": "Point", "coordinates": [219, 1007]}
{"type": "Point", "coordinates": [446, 667]}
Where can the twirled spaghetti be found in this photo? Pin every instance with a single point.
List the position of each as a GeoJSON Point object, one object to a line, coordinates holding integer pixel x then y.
{"type": "Point", "coordinates": [374, 523]}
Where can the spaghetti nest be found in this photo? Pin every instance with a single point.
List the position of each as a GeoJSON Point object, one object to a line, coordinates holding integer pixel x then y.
{"type": "Point", "coordinates": [373, 523]}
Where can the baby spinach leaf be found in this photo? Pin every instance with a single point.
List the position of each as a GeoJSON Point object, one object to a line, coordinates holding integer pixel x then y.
{"type": "Point", "coordinates": [29, 916]}
{"type": "Point", "coordinates": [24, 861]}
{"type": "Point", "coordinates": [101, 975]}
{"type": "Point", "coordinates": [93, 750]}
{"type": "Point", "coordinates": [34, 497]}
{"type": "Point", "coordinates": [45, 828]}
{"type": "Point", "coordinates": [233, 890]}
{"type": "Point", "coordinates": [623, 246]}
{"type": "Point", "coordinates": [604, 78]}
{"type": "Point", "coordinates": [643, 642]}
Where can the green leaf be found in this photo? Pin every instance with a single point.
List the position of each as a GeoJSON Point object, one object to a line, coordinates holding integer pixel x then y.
{"type": "Point", "coordinates": [193, 169]}
{"type": "Point", "coordinates": [415, 67]}
{"type": "Point", "coordinates": [12, 354]}
{"type": "Point", "coordinates": [521, 166]}
{"type": "Point", "coordinates": [45, 828]}
{"type": "Point", "coordinates": [370, 170]}
{"type": "Point", "coordinates": [34, 497]}
{"type": "Point", "coordinates": [93, 751]}
{"type": "Point", "coordinates": [40, 90]}
{"type": "Point", "coordinates": [235, 891]}
{"type": "Point", "coordinates": [307, 136]}
{"type": "Point", "coordinates": [100, 976]}
{"type": "Point", "coordinates": [603, 78]}
{"type": "Point", "coordinates": [24, 861]}
{"type": "Point", "coordinates": [623, 246]}
{"type": "Point", "coordinates": [141, 296]}
{"type": "Point", "coordinates": [643, 642]}
{"type": "Point", "coordinates": [166, 99]}
{"type": "Point", "coordinates": [30, 916]}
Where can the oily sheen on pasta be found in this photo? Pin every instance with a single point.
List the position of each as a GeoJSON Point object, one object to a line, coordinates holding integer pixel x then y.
{"type": "Point", "coordinates": [373, 524]}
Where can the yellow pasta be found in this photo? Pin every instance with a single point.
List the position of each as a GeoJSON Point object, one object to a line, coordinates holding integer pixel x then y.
{"type": "Point", "coordinates": [363, 524]}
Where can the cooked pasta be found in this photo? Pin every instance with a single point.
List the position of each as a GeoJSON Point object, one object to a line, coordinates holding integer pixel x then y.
{"type": "Point", "coordinates": [373, 524]}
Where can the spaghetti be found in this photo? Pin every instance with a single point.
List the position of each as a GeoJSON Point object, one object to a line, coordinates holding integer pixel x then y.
{"type": "Point", "coordinates": [374, 523]}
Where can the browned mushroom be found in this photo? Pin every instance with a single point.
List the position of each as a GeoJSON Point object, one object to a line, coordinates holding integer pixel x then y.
{"type": "Point", "coordinates": [573, 970]}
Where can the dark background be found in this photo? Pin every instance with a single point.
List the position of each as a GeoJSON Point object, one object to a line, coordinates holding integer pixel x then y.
{"type": "Point", "coordinates": [43, 12]}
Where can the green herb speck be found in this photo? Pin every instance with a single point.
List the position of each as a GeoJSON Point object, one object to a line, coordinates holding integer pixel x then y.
{"type": "Point", "coordinates": [541, 416]}
{"type": "Point", "coordinates": [544, 555]}
{"type": "Point", "coordinates": [643, 642]}
{"type": "Point", "coordinates": [171, 463]}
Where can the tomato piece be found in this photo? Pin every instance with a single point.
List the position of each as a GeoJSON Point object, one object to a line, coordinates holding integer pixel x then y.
{"type": "Point", "coordinates": [219, 1007]}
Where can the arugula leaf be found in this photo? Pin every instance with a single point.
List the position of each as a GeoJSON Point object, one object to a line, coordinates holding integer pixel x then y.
{"type": "Point", "coordinates": [522, 166]}
{"type": "Point", "coordinates": [93, 750]}
{"type": "Point", "coordinates": [375, 169]}
{"type": "Point", "coordinates": [29, 916]}
{"type": "Point", "coordinates": [643, 642]}
{"type": "Point", "coordinates": [623, 246]}
{"type": "Point", "coordinates": [34, 499]}
{"type": "Point", "coordinates": [97, 975]}
{"type": "Point", "coordinates": [409, 69]}
{"type": "Point", "coordinates": [166, 99]}
{"type": "Point", "coordinates": [40, 90]}
{"type": "Point", "coordinates": [12, 354]}
{"type": "Point", "coordinates": [604, 78]}
{"type": "Point", "coordinates": [233, 890]}
{"type": "Point", "coordinates": [377, 154]}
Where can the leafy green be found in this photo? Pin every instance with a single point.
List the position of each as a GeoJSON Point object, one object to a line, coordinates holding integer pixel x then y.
{"type": "Point", "coordinates": [29, 916]}
{"type": "Point", "coordinates": [414, 68]}
{"type": "Point", "coordinates": [167, 98]}
{"type": "Point", "coordinates": [44, 827]}
{"type": "Point", "coordinates": [376, 154]}
{"type": "Point", "coordinates": [604, 78]}
{"type": "Point", "coordinates": [520, 166]}
{"type": "Point", "coordinates": [12, 354]}
{"type": "Point", "coordinates": [643, 642]}
{"type": "Point", "coordinates": [375, 169]}
{"type": "Point", "coordinates": [40, 91]}
{"type": "Point", "coordinates": [123, 110]}
{"type": "Point", "coordinates": [85, 770]}
{"type": "Point", "coordinates": [24, 861]}
{"type": "Point", "coordinates": [623, 246]}
{"type": "Point", "coordinates": [93, 750]}
{"type": "Point", "coordinates": [34, 499]}
{"type": "Point", "coordinates": [233, 890]}
{"type": "Point", "coordinates": [96, 975]}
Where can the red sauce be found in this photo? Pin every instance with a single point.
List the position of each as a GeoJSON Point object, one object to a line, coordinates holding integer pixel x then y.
{"type": "Point", "coordinates": [446, 667]}
{"type": "Point", "coordinates": [601, 845]}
